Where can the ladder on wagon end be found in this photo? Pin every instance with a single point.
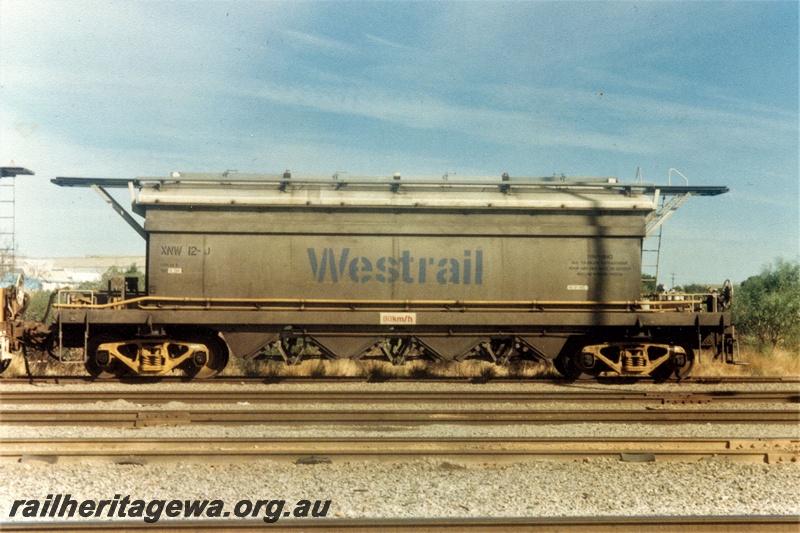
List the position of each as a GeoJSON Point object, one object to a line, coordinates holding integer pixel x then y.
{"type": "Point", "coordinates": [651, 246]}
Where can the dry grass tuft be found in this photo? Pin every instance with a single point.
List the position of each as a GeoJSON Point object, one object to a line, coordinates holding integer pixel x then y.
{"type": "Point", "coordinates": [41, 364]}
{"type": "Point", "coordinates": [486, 373]}
{"type": "Point", "coordinates": [376, 370]}
{"type": "Point", "coordinates": [777, 362]}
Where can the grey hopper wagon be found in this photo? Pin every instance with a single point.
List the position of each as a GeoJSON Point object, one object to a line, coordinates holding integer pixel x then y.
{"type": "Point", "coordinates": [495, 268]}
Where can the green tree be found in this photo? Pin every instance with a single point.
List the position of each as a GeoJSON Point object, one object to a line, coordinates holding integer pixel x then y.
{"type": "Point", "coordinates": [767, 306]}
{"type": "Point", "coordinates": [38, 306]}
{"type": "Point", "coordinates": [695, 288]}
{"type": "Point", "coordinates": [648, 284]}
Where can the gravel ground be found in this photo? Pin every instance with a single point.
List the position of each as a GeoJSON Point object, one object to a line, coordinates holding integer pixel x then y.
{"type": "Point", "coordinates": [433, 487]}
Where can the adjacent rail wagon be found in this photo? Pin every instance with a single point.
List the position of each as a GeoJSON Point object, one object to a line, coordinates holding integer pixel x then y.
{"type": "Point", "coordinates": [504, 268]}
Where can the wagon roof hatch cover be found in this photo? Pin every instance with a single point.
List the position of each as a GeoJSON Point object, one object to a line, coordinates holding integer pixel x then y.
{"type": "Point", "coordinates": [246, 190]}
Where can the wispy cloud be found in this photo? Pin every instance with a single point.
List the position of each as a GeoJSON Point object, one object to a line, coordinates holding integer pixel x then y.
{"type": "Point", "coordinates": [391, 44]}
{"type": "Point", "coordinates": [302, 40]}
{"type": "Point", "coordinates": [551, 116]}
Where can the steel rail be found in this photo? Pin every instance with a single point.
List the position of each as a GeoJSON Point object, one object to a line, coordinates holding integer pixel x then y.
{"type": "Point", "coordinates": [314, 450]}
{"type": "Point", "coordinates": [369, 418]}
{"type": "Point", "coordinates": [266, 395]}
{"type": "Point", "coordinates": [603, 524]}
{"type": "Point", "coordinates": [269, 380]}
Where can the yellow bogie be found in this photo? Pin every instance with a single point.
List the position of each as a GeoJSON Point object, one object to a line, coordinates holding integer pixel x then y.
{"type": "Point", "coordinates": [156, 357]}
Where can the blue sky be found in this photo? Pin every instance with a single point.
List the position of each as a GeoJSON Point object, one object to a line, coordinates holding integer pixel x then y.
{"type": "Point", "coordinates": [133, 88]}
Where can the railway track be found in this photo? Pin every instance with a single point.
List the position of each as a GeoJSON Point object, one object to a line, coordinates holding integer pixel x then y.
{"type": "Point", "coordinates": [482, 406]}
{"type": "Point", "coordinates": [655, 524]}
{"type": "Point", "coordinates": [327, 449]}
{"type": "Point", "coordinates": [233, 395]}
{"type": "Point", "coordinates": [371, 417]}
{"type": "Point", "coordinates": [238, 380]}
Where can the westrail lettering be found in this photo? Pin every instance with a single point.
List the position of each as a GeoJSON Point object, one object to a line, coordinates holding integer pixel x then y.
{"type": "Point", "coordinates": [329, 265]}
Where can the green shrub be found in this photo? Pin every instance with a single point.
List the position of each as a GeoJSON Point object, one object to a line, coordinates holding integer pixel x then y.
{"type": "Point", "coordinates": [767, 307]}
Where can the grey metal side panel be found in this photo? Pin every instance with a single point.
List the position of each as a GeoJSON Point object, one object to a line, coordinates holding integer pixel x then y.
{"type": "Point", "coordinates": [389, 255]}
{"type": "Point", "coordinates": [384, 267]}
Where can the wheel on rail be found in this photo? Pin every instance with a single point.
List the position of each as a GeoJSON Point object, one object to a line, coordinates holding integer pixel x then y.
{"type": "Point", "coordinates": [671, 370]}
{"type": "Point", "coordinates": [558, 364]}
{"type": "Point", "coordinates": [565, 365]}
{"type": "Point", "coordinates": [207, 363]}
{"type": "Point", "coordinates": [572, 364]}
{"type": "Point", "coordinates": [575, 370]}
{"type": "Point", "coordinates": [663, 373]}
{"type": "Point", "coordinates": [99, 363]}
{"type": "Point", "coordinates": [684, 371]}
{"type": "Point", "coordinates": [571, 368]}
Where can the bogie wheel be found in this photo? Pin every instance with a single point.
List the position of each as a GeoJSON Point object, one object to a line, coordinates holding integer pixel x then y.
{"type": "Point", "coordinates": [215, 360]}
{"type": "Point", "coordinates": [684, 371]}
{"type": "Point", "coordinates": [576, 371]}
{"type": "Point", "coordinates": [664, 372]}
{"type": "Point", "coordinates": [559, 365]}
{"type": "Point", "coordinates": [97, 370]}
{"type": "Point", "coordinates": [669, 371]}
{"type": "Point", "coordinates": [569, 364]}
{"type": "Point", "coordinates": [570, 367]}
